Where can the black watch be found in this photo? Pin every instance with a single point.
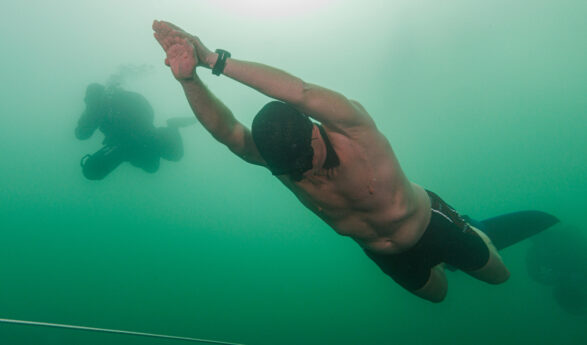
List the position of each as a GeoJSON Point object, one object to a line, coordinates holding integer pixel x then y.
{"type": "Point", "coordinates": [218, 68]}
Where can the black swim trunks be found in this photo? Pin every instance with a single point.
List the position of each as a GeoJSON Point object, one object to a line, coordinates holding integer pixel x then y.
{"type": "Point", "coordinates": [448, 238]}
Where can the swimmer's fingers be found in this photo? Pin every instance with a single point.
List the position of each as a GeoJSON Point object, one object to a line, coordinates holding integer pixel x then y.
{"type": "Point", "coordinates": [162, 41]}
{"type": "Point", "coordinates": [173, 26]}
{"type": "Point", "coordinates": [163, 33]}
{"type": "Point", "coordinates": [176, 30]}
{"type": "Point", "coordinates": [160, 27]}
{"type": "Point", "coordinates": [168, 35]}
{"type": "Point", "coordinates": [167, 29]}
{"type": "Point", "coordinates": [167, 41]}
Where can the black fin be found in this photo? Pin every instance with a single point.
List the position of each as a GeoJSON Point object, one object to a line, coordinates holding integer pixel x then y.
{"type": "Point", "coordinates": [512, 228]}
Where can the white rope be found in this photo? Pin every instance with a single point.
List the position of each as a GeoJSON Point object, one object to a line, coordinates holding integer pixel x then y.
{"type": "Point", "coordinates": [115, 331]}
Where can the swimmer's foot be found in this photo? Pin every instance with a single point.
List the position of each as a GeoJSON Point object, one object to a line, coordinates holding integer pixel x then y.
{"type": "Point", "coordinates": [180, 122]}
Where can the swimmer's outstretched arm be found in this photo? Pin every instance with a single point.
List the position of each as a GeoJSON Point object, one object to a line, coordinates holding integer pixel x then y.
{"type": "Point", "coordinates": [326, 106]}
{"type": "Point", "coordinates": [214, 115]}
{"type": "Point", "coordinates": [217, 118]}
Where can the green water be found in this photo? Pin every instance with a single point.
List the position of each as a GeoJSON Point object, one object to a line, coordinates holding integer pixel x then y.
{"type": "Point", "coordinates": [485, 103]}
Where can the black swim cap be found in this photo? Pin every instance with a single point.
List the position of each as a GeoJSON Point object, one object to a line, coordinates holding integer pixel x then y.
{"type": "Point", "coordinates": [283, 136]}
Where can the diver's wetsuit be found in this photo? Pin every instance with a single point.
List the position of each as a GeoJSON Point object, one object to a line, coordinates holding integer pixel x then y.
{"type": "Point", "coordinates": [126, 119]}
{"type": "Point", "coordinates": [448, 238]}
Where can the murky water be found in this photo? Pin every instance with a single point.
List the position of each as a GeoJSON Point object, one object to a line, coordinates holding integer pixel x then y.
{"type": "Point", "coordinates": [484, 103]}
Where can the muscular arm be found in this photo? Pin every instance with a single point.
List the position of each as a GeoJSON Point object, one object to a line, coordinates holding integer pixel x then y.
{"type": "Point", "coordinates": [210, 111]}
{"type": "Point", "coordinates": [185, 52]}
{"type": "Point", "coordinates": [326, 106]}
{"type": "Point", "coordinates": [219, 120]}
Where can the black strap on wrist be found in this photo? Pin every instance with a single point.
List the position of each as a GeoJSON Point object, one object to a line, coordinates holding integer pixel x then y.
{"type": "Point", "coordinates": [218, 68]}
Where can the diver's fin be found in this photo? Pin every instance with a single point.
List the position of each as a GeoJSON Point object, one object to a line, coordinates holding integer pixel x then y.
{"type": "Point", "coordinates": [512, 228]}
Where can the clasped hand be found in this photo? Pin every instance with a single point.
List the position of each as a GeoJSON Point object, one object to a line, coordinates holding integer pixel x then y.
{"type": "Point", "coordinates": [184, 51]}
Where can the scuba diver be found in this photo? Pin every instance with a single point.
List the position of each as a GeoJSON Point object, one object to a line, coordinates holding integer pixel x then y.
{"type": "Point", "coordinates": [126, 120]}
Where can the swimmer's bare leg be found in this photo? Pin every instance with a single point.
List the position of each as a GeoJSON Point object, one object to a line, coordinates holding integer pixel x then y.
{"type": "Point", "coordinates": [494, 271]}
{"type": "Point", "coordinates": [436, 287]}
